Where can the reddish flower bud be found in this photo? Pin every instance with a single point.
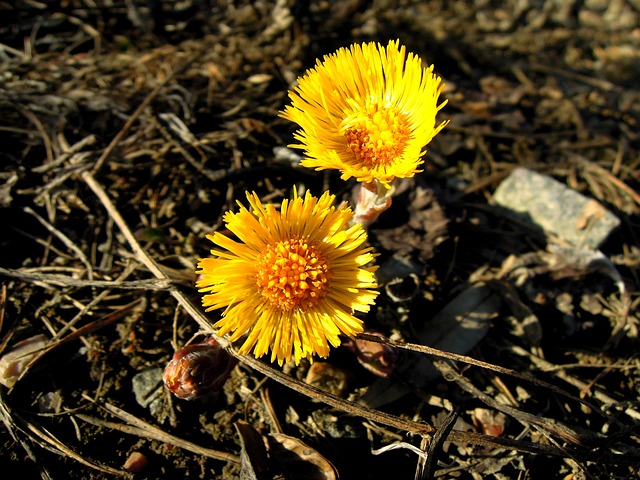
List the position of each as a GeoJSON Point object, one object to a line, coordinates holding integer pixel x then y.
{"type": "Point", "coordinates": [378, 358]}
{"type": "Point", "coordinates": [198, 370]}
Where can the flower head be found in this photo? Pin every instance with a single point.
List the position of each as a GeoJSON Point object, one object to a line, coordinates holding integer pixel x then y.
{"type": "Point", "coordinates": [367, 111]}
{"type": "Point", "coordinates": [293, 280]}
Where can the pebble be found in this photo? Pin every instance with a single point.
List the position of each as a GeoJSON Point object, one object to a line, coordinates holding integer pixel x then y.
{"type": "Point", "coordinates": [546, 203]}
{"type": "Point", "coordinates": [136, 462]}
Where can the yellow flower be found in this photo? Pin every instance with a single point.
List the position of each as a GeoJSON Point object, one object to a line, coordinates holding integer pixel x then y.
{"type": "Point", "coordinates": [293, 280]}
{"type": "Point", "coordinates": [367, 111]}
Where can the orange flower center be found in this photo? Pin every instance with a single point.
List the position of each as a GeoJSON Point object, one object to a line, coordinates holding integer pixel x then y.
{"type": "Point", "coordinates": [377, 136]}
{"type": "Point", "coordinates": [293, 274]}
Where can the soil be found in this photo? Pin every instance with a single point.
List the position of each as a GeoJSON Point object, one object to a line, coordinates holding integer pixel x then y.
{"type": "Point", "coordinates": [129, 128]}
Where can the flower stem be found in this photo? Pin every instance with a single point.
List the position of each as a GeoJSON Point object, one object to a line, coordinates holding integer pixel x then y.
{"type": "Point", "coordinates": [373, 199]}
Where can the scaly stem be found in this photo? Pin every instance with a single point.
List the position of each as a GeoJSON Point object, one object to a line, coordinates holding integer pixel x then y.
{"type": "Point", "coordinates": [373, 199]}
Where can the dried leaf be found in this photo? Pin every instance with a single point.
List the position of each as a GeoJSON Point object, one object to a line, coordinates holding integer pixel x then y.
{"type": "Point", "coordinates": [253, 457]}
{"type": "Point", "coordinates": [457, 328]}
{"type": "Point", "coordinates": [298, 460]}
{"type": "Point", "coordinates": [403, 289]}
{"type": "Point", "coordinates": [488, 421]}
{"type": "Point", "coordinates": [11, 178]}
{"type": "Point", "coordinates": [378, 358]}
{"type": "Point", "coordinates": [14, 362]}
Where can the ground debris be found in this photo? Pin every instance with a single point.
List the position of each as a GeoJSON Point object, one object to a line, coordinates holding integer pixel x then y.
{"type": "Point", "coordinates": [129, 128]}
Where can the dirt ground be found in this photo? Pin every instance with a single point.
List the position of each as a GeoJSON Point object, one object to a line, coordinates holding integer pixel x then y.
{"type": "Point", "coordinates": [129, 127]}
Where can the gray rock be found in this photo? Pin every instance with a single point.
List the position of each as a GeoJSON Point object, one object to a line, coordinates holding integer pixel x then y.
{"type": "Point", "coordinates": [147, 386]}
{"type": "Point", "coordinates": [555, 208]}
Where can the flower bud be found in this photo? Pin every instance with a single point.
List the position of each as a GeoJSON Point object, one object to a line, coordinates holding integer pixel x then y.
{"type": "Point", "coordinates": [198, 370]}
{"type": "Point", "coordinates": [373, 199]}
{"type": "Point", "coordinates": [376, 357]}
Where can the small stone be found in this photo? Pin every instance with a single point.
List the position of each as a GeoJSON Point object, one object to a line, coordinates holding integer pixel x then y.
{"type": "Point", "coordinates": [555, 208]}
{"type": "Point", "coordinates": [147, 386]}
{"type": "Point", "coordinates": [50, 402]}
{"type": "Point", "coordinates": [136, 462]}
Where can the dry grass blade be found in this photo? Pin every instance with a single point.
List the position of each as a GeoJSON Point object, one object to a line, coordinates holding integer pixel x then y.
{"type": "Point", "coordinates": [426, 467]}
{"type": "Point", "coordinates": [608, 402]}
{"type": "Point", "coordinates": [67, 155]}
{"type": "Point", "coordinates": [145, 259]}
{"type": "Point", "coordinates": [66, 240]}
{"type": "Point", "coordinates": [79, 333]}
{"type": "Point", "coordinates": [377, 416]}
{"type": "Point", "coordinates": [53, 280]}
{"type": "Point", "coordinates": [553, 427]}
{"type": "Point", "coordinates": [15, 432]}
{"type": "Point", "coordinates": [145, 430]}
{"type": "Point", "coordinates": [478, 363]}
{"type": "Point", "coordinates": [138, 111]}
{"type": "Point", "coordinates": [45, 439]}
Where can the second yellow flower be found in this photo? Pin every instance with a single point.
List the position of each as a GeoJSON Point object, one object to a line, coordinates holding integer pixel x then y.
{"type": "Point", "coordinates": [367, 111]}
